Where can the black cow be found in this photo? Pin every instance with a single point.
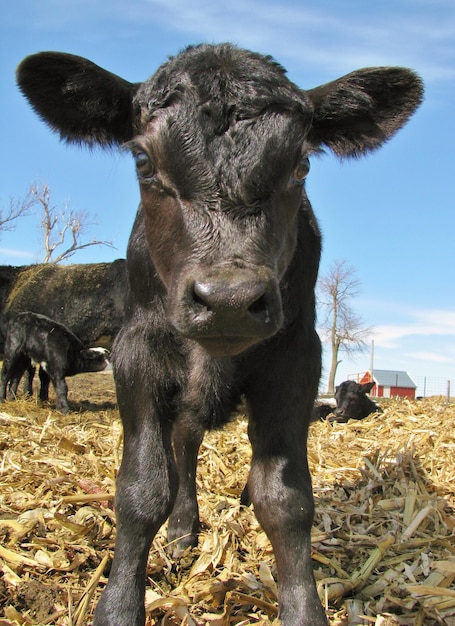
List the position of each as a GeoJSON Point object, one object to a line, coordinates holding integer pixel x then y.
{"type": "Point", "coordinates": [88, 298]}
{"type": "Point", "coordinates": [352, 401]}
{"type": "Point", "coordinates": [8, 277]}
{"type": "Point", "coordinates": [31, 339]}
{"type": "Point", "coordinates": [222, 263]}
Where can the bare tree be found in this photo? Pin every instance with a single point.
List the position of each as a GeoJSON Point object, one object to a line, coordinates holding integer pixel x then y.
{"type": "Point", "coordinates": [62, 228]}
{"type": "Point", "coordinates": [16, 209]}
{"type": "Point", "coordinates": [341, 327]}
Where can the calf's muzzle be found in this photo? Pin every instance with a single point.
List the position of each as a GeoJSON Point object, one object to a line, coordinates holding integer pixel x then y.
{"type": "Point", "coordinates": [229, 310]}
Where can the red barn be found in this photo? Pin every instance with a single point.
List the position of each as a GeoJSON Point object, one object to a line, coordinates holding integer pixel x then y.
{"type": "Point", "coordinates": [390, 383]}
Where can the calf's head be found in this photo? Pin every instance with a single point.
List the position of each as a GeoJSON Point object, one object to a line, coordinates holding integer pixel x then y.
{"type": "Point", "coordinates": [221, 140]}
{"type": "Point", "coordinates": [94, 359]}
{"type": "Point", "coordinates": [352, 401]}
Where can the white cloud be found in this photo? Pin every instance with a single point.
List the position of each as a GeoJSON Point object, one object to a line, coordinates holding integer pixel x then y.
{"type": "Point", "coordinates": [329, 41]}
{"type": "Point", "coordinates": [420, 341]}
{"type": "Point", "coordinates": [428, 357]}
{"type": "Point", "coordinates": [430, 322]}
{"type": "Point", "coordinates": [335, 41]}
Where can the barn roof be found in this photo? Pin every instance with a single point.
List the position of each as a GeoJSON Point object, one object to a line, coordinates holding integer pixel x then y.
{"type": "Point", "coordinates": [393, 378]}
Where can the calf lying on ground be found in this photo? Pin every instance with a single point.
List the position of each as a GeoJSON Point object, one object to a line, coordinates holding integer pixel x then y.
{"type": "Point", "coordinates": [352, 401]}
{"type": "Point", "coordinates": [32, 338]}
{"type": "Point", "coordinates": [222, 263]}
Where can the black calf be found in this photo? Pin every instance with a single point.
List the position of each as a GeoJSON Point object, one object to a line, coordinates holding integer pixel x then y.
{"type": "Point", "coordinates": [352, 401]}
{"type": "Point", "coordinates": [35, 339]}
{"type": "Point", "coordinates": [222, 263]}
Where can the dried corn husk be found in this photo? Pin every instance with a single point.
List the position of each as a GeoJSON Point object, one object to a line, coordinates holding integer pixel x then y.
{"type": "Point", "coordinates": [383, 535]}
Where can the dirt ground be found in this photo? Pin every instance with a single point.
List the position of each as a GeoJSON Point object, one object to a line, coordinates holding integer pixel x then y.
{"type": "Point", "coordinates": [383, 536]}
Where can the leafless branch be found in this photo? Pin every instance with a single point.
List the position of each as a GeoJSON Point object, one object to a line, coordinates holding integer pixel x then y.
{"type": "Point", "coordinates": [341, 327]}
{"type": "Point", "coordinates": [59, 225]}
{"type": "Point", "coordinates": [16, 209]}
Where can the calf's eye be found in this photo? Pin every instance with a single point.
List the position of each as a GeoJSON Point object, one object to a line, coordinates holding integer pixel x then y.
{"type": "Point", "coordinates": [144, 165]}
{"type": "Point", "coordinates": [301, 171]}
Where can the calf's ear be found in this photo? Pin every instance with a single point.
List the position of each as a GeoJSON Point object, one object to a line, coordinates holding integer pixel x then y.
{"type": "Point", "coordinates": [82, 101]}
{"type": "Point", "coordinates": [360, 111]}
{"type": "Point", "coordinates": [367, 387]}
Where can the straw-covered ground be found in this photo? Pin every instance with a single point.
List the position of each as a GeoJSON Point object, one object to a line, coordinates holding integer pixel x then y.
{"type": "Point", "coordinates": [383, 536]}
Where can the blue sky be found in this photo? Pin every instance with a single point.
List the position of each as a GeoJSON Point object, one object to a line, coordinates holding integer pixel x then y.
{"type": "Point", "coordinates": [390, 215]}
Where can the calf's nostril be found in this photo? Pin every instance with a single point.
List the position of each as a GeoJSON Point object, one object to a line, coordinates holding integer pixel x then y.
{"type": "Point", "coordinates": [202, 294]}
{"type": "Point", "coordinates": [259, 308]}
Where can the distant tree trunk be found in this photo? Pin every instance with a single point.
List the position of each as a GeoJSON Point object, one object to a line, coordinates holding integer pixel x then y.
{"type": "Point", "coordinates": [333, 367]}
{"type": "Point", "coordinates": [334, 340]}
{"type": "Point", "coordinates": [342, 328]}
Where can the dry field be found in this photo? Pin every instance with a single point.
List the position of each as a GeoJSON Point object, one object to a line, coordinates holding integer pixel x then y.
{"type": "Point", "coordinates": [383, 537]}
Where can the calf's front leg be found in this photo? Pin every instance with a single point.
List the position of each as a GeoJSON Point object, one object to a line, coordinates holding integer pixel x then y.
{"type": "Point", "coordinates": [280, 490]}
{"type": "Point", "coordinates": [61, 393]}
{"type": "Point", "coordinates": [279, 483]}
{"type": "Point", "coordinates": [183, 527]}
{"type": "Point", "coordinates": [146, 489]}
